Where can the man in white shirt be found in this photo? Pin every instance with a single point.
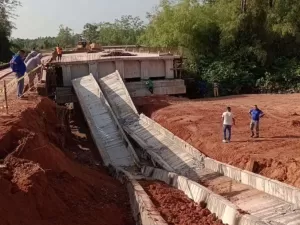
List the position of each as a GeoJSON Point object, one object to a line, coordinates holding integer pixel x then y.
{"type": "Point", "coordinates": [32, 54]}
{"type": "Point", "coordinates": [32, 64]}
{"type": "Point", "coordinates": [228, 121]}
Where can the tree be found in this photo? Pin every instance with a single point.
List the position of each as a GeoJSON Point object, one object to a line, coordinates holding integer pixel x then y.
{"type": "Point", "coordinates": [40, 43]}
{"type": "Point", "coordinates": [65, 37]}
{"type": "Point", "coordinates": [124, 31]}
{"type": "Point", "coordinates": [233, 46]}
{"type": "Point", "coordinates": [90, 31]}
{"type": "Point", "coordinates": [7, 8]}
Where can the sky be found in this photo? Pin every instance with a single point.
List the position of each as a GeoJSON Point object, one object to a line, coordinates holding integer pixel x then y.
{"type": "Point", "coordinates": [39, 18]}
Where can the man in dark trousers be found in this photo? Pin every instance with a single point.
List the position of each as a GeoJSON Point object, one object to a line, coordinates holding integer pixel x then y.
{"type": "Point", "coordinates": [255, 115]}
{"type": "Point", "coordinates": [19, 68]}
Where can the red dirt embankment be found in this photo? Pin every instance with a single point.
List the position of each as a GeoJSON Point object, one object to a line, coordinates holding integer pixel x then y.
{"type": "Point", "coordinates": [199, 123]}
{"type": "Point", "coordinates": [175, 207]}
{"type": "Point", "coordinates": [41, 185]}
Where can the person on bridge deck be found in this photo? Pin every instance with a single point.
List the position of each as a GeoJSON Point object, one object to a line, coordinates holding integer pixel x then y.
{"type": "Point", "coordinates": [32, 64]}
{"type": "Point", "coordinates": [59, 52]}
{"type": "Point", "coordinates": [255, 115]}
{"type": "Point", "coordinates": [32, 54]}
{"type": "Point", "coordinates": [18, 66]}
{"type": "Point", "coordinates": [228, 121]}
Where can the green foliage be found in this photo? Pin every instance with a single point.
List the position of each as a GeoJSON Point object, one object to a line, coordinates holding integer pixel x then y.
{"type": "Point", "coordinates": [242, 48]}
{"type": "Point", "coordinates": [124, 31]}
{"type": "Point", "coordinates": [65, 37]}
{"type": "Point", "coordinates": [90, 31]}
{"type": "Point", "coordinates": [7, 8]}
{"type": "Point", "coordinates": [28, 44]}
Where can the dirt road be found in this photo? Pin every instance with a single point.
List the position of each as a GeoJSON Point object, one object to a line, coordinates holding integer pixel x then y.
{"type": "Point", "coordinates": [199, 123]}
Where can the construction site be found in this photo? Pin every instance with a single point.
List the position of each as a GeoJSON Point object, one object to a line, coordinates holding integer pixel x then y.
{"type": "Point", "coordinates": [90, 144]}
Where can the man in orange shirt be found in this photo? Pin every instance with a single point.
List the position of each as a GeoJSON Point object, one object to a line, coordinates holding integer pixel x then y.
{"type": "Point", "coordinates": [59, 52]}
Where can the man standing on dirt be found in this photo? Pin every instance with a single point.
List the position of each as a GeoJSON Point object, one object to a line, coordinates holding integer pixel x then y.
{"type": "Point", "coordinates": [18, 66]}
{"type": "Point", "coordinates": [255, 115]}
{"type": "Point", "coordinates": [228, 121]}
{"type": "Point", "coordinates": [216, 89]}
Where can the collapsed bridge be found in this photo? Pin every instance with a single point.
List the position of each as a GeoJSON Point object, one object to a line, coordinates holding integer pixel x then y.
{"type": "Point", "coordinates": [136, 147]}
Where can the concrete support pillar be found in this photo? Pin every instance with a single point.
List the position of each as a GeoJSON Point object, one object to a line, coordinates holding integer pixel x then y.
{"type": "Point", "coordinates": [93, 69]}
{"type": "Point", "coordinates": [168, 69]}
{"type": "Point", "coordinates": [67, 75]}
{"type": "Point", "coordinates": [120, 68]}
{"type": "Point", "coordinates": [144, 69]}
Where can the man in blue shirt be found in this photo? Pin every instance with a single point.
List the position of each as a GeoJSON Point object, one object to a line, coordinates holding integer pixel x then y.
{"type": "Point", "coordinates": [255, 115]}
{"type": "Point", "coordinates": [18, 66]}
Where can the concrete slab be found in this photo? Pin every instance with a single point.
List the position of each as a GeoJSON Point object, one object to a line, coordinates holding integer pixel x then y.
{"type": "Point", "coordinates": [98, 116]}
{"type": "Point", "coordinates": [143, 210]}
{"type": "Point", "coordinates": [224, 210]}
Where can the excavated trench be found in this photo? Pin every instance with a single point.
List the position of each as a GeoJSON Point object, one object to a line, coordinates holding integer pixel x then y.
{"type": "Point", "coordinates": [49, 176]}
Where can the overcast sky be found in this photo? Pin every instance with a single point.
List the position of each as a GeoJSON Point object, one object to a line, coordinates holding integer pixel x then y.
{"type": "Point", "coordinates": [38, 18]}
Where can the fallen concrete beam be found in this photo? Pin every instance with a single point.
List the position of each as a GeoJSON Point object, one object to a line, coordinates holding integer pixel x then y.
{"type": "Point", "coordinates": [195, 153]}
{"type": "Point", "coordinates": [143, 210]}
{"type": "Point", "coordinates": [274, 188]}
{"type": "Point", "coordinates": [224, 209]}
{"type": "Point", "coordinates": [106, 131]}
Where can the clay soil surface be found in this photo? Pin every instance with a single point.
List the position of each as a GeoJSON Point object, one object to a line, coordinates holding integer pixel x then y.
{"type": "Point", "coordinates": [48, 175]}
{"type": "Point", "coordinates": [275, 155]}
{"type": "Point", "coordinates": [176, 208]}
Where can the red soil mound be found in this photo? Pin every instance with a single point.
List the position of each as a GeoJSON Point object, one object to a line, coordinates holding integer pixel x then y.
{"type": "Point", "coordinates": [175, 207]}
{"type": "Point", "coordinates": [40, 184]}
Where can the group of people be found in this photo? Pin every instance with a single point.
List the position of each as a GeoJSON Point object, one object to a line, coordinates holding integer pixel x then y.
{"type": "Point", "coordinates": [229, 121]}
{"type": "Point", "coordinates": [21, 65]}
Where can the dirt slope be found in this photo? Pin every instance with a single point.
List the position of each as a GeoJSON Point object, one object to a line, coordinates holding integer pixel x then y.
{"type": "Point", "coordinates": [41, 184]}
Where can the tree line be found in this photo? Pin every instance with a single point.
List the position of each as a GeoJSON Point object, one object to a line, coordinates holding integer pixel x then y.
{"type": "Point", "coordinates": [245, 45]}
{"type": "Point", "coordinates": [123, 31]}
